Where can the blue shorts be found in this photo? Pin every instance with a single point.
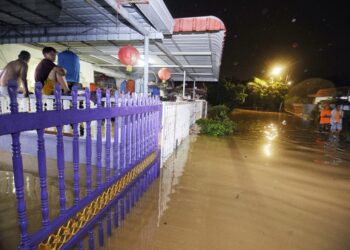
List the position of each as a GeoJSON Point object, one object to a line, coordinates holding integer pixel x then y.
{"type": "Point", "coordinates": [336, 127]}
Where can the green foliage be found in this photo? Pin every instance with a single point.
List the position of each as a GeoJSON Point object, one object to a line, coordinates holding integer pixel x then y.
{"type": "Point", "coordinates": [218, 122]}
{"type": "Point", "coordinates": [267, 94]}
{"type": "Point", "coordinates": [217, 128]}
{"type": "Point", "coordinates": [227, 93]}
{"type": "Point", "coordinates": [219, 112]}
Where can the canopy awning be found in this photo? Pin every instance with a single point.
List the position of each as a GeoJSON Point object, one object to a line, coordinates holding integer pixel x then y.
{"type": "Point", "coordinates": [96, 29]}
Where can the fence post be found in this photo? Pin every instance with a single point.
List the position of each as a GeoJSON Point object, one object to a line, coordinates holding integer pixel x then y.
{"type": "Point", "coordinates": [127, 140]}
{"type": "Point", "coordinates": [88, 161]}
{"type": "Point", "coordinates": [42, 160]}
{"type": "Point", "coordinates": [60, 154]}
{"type": "Point", "coordinates": [76, 176]}
{"type": "Point", "coordinates": [99, 162]}
{"type": "Point", "coordinates": [108, 157]}
{"type": "Point", "coordinates": [115, 155]}
{"type": "Point", "coordinates": [122, 139]}
{"type": "Point", "coordinates": [76, 188]}
{"type": "Point", "coordinates": [18, 170]}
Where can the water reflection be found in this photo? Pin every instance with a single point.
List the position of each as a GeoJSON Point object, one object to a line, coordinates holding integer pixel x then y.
{"type": "Point", "coordinates": [283, 134]}
{"type": "Point", "coordinates": [270, 133]}
{"type": "Point", "coordinates": [171, 173]}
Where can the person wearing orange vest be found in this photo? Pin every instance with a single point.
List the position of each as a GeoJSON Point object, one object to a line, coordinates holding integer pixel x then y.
{"type": "Point", "coordinates": [336, 119]}
{"type": "Point", "coordinates": [325, 118]}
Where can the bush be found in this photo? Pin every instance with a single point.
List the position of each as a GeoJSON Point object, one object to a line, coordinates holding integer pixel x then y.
{"type": "Point", "coordinates": [217, 128]}
{"type": "Point", "coordinates": [218, 112]}
{"type": "Point", "coordinates": [226, 92]}
{"type": "Point", "coordinates": [218, 122]}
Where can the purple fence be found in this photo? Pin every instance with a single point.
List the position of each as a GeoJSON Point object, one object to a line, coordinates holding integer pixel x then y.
{"type": "Point", "coordinates": [132, 158]}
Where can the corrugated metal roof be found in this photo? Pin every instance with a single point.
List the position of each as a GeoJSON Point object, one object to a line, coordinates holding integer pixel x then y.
{"type": "Point", "coordinates": [95, 31]}
{"type": "Point", "coordinates": [193, 24]}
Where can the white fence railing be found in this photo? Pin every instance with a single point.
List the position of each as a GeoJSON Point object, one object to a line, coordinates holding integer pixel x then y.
{"type": "Point", "coordinates": [178, 117]}
{"type": "Point", "coordinates": [28, 105]}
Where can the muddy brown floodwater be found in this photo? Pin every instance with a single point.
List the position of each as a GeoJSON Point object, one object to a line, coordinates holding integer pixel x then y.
{"type": "Point", "coordinates": [276, 184]}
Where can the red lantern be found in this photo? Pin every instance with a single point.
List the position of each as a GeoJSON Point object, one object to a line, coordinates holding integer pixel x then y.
{"type": "Point", "coordinates": [128, 55]}
{"type": "Point", "coordinates": [164, 74]}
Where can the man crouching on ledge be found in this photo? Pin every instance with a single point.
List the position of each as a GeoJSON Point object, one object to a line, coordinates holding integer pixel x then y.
{"type": "Point", "coordinates": [16, 70]}
{"type": "Point", "coordinates": [48, 73]}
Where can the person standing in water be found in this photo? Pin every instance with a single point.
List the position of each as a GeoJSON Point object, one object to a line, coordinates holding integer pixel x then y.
{"type": "Point", "coordinates": [336, 119]}
{"type": "Point", "coordinates": [16, 70]}
{"type": "Point", "coordinates": [325, 118]}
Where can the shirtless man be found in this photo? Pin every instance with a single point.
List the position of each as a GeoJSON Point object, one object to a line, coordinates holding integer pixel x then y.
{"type": "Point", "coordinates": [48, 73]}
{"type": "Point", "coordinates": [16, 70]}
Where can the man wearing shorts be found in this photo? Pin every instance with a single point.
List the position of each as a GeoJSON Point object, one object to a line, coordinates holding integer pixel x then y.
{"type": "Point", "coordinates": [49, 74]}
{"type": "Point", "coordinates": [336, 119]}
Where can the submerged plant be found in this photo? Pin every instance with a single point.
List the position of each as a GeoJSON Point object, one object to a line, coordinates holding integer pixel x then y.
{"type": "Point", "coordinates": [218, 122]}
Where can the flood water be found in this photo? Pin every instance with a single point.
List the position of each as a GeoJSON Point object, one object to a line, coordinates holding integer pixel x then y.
{"type": "Point", "coordinates": [275, 184]}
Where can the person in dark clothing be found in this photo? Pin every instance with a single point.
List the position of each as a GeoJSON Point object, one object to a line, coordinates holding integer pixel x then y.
{"type": "Point", "coordinates": [48, 73]}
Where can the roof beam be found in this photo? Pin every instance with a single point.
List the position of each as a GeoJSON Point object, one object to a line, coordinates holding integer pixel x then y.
{"type": "Point", "coordinates": [39, 34]}
{"type": "Point", "coordinates": [126, 15]}
{"type": "Point", "coordinates": [67, 12]}
{"type": "Point", "coordinates": [157, 65]}
{"type": "Point", "coordinates": [102, 11]}
{"type": "Point", "coordinates": [158, 15]}
{"type": "Point", "coordinates": [184, 53]}
{"type": "Point", "coordinates": [19, 5]}
{"type": "Point", "coordinates": [177, 46]}
{"type": "Point", "coordinates": [17, 17]}
{"type": "Point", "coordinates": [171, 57]}
{"type": "Point", "coordinates": [195, 74]}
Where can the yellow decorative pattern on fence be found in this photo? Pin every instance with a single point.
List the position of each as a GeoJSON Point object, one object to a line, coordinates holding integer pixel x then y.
{"type": "Point", "coordinates": [68, 230]}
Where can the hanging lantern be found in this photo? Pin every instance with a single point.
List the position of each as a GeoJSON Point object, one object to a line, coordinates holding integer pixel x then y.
{"type": "Point", "coordinates": [128, 55]}
{"type": "Point", "coordinates": [164, 74]}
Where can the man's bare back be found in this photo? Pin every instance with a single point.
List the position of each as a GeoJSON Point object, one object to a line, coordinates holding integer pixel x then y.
{"type": "Point", "coordinates": [16, 70]}
{"type": "Point", "coordinates": [13, 71]}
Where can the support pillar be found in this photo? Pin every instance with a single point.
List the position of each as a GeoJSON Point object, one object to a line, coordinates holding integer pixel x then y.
{"type": "Point", "coordinates": [194, 90]}
{"type": "Point", "coordinates": [184, 85]}
{"type": "Point", "coordinates": [146, 65]}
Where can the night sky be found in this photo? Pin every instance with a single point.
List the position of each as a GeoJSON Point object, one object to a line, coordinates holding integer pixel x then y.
{"type": "Point", "coordinates": [312, 37]}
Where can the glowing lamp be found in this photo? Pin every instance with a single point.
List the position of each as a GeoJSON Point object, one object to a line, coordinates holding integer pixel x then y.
{"type": "Point", "coordinates": [277, 70]}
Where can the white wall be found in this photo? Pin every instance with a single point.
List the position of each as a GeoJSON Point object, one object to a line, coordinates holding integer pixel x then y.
{"type": "Point", "coordinates": [86, 73]}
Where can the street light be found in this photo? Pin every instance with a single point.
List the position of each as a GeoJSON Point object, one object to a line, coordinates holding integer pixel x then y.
{"type": "Point", "coordinates": [277, 70]}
